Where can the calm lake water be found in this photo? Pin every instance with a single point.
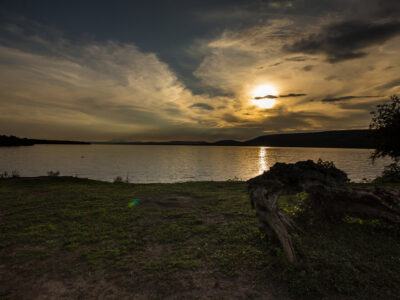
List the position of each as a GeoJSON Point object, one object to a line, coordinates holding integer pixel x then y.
{"type": "Point", "coordinates": [145, 164]}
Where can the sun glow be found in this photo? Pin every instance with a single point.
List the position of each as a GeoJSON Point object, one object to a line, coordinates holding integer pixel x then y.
{"type": "Point", "coordinates": [264, 96]}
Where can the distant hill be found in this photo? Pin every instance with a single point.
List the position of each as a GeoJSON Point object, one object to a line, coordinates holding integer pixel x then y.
{"type": "Point", "coordinates": [228, 143]}
{"type": "Point", "coordinates": [326, 139]}
{"type": "Point", "coordinates": [187, 143]}
{"type": "Point", "coordinates": [322, 139]}
{"type": "Point", "coordinates": [10, 141]}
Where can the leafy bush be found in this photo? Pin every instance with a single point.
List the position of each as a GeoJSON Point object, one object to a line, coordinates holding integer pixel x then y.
{"type": "Point", "coordinates": [118, 179]}
{"type": "Point", "coordinates": [53, 174]}
{"type": "Point", "coordinates": [5, 174]}
{"type": "Point", "coordinates": [326, 164]}
{"type": "Point", "coordinates": [391, 174]}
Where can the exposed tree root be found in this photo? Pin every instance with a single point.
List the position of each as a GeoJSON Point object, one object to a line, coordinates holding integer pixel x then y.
{"type": "Point", "coordinates": [326, 186]}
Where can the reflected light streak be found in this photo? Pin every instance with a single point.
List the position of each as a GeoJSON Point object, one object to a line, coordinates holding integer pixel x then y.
{"type": "Point", "coordinates": [263, 166]}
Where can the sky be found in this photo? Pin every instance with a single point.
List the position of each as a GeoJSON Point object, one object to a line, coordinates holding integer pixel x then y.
{"type": "Point", "coordinates": [194, 70]}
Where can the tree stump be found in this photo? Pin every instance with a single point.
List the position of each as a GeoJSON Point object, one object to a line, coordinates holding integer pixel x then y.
{"type": "Point", "coordinates": [325, 184]}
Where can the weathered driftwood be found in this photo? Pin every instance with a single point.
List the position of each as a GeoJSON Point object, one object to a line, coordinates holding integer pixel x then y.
{"type": "Point", "coordinates": [326, 187]}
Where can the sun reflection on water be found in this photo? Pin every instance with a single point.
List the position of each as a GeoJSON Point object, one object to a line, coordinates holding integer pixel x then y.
{"type": "Point", "coordinates": [263, 166]}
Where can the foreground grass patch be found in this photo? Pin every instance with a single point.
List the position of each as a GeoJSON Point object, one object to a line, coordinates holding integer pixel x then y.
{"type": "Point", "coordinates": [190, 239]}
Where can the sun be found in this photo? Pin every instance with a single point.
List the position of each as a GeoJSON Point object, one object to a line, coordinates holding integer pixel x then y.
{"type": "Point", "coordinates": [264, 90]}
{"type": "Point", "coordinates": [264, 96]}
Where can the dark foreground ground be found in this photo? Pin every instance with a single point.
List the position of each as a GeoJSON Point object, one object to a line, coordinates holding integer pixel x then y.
{"type": "Point", "coordinates": [77, 238]}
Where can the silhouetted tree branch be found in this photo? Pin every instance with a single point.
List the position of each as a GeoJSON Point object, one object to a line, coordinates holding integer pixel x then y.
{"type": "Point", "coordinates": [385, 128]}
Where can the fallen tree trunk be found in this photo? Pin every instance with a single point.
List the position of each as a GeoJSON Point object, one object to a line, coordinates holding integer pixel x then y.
{"type": "Point", "coordinates": [327, 189]}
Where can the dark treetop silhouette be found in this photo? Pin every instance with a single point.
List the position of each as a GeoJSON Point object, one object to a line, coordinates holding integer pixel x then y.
{"type": "Point", "coordinates": [385, 126]}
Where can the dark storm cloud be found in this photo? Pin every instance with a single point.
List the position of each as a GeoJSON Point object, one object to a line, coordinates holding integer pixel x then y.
{"type": "Point", "coordinates": [329, 78]}
{"type": "Point", "coordinates": [202, 106]}
{"type": "Point", "coordinates": [297, 58]}
{"type": "Point", "coordinates": [366, 106]}
{"type": "Point", "coordinates": [173, 111]}
{"type": "Point", "coordinates": [345, 40]}
{"type": "Point", "coordinates": [266, 97]}
{"type": "Point", "coordinates": [280, 96]}
{"type": "Point", "coordinates": [301, 120]}
{"type": "Point", "coordinates": [292, 95]}
{"type": "Point", "coordinates": [129, 114]}
{"type": "Point", "coordinates": [307, 68]}
{"type": "Point", "coordinates": [388, 8]}
{"type": "Point", "coordinates": [335, 99]}
{"type": "Point", "coordinates": [275, 64]}
{"type": "Point", "coordinates": [388, 68]}
{"type": "Point", "coordinates": [230, 118]}
{"type": "Point", "coordinates": [285, 120]}
{"type": "Point", "coordinates": [389, 85]}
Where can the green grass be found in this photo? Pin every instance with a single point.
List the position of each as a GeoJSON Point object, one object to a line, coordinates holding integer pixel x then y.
{"type": "Point", "coordinates": [189, 239]}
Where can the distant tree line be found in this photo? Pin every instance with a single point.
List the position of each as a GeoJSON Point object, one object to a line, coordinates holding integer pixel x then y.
{"type": "Point", "coordinates": [11, 141]}
{"type": "Point", "coordinates": [14, 141]}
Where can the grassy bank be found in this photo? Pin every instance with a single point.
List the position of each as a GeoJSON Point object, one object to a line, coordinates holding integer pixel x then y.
{"type": "Point", "coordinates": [80, 238]}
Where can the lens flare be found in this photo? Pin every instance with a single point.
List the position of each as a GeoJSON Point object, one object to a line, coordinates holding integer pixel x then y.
{"type": "Point", "coordinates": [133, 203]}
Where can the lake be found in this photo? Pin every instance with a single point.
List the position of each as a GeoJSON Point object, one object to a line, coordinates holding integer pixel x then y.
{"type": "Point", "coordinates": [145, 164]}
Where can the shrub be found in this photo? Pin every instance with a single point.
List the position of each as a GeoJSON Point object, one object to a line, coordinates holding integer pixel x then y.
{"type": "Point", "coordinates": [5, 174]}
{"type": "Point", "coordinates": [326, 164]}
{"type": "Point", "coordinates": [53, 174]}
{"type": "Point", "coordinates": [118, 179]}
{"type": "Point", "coordinates": [391, 174]}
